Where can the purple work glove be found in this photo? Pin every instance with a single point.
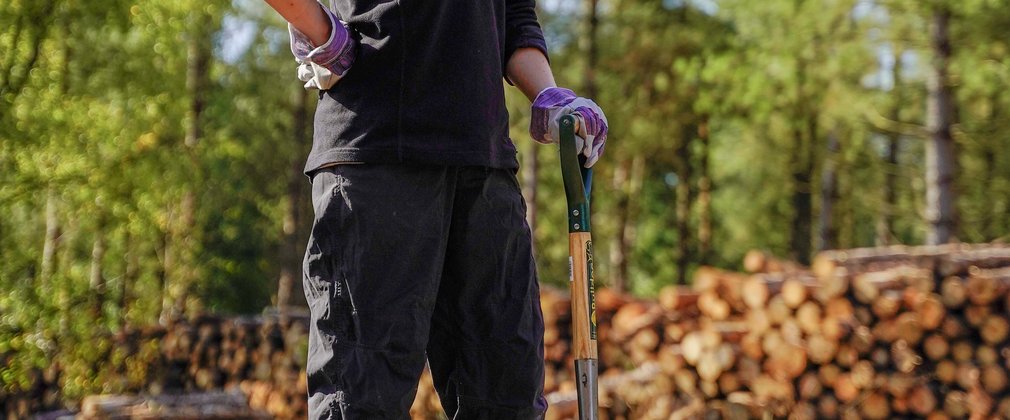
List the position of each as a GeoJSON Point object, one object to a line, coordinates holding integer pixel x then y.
{"type": "Point", "coordinates": [552, 104]}
{"type": "Point", "coordinates": [321, 67]}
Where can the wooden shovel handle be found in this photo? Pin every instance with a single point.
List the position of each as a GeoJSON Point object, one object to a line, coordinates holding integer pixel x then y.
{"type": "Point", "coordinates": [580, 248]}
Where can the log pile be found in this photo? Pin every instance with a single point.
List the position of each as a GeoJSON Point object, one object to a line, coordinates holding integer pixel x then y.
{"type": "Point", "coordinates": [195, 406]}
{"type": "Point", "coordinates": [261, 359]}
{"type": "Point", "coordinates": [865, 333]}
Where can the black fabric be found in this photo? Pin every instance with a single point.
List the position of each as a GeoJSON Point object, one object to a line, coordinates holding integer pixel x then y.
{"type": "Point", "coordinates": [407, 261]}
{"type": "Point", "coordinates": [426, 86]}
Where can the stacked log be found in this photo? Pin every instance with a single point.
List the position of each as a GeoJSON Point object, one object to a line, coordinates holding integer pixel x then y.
{"type": "Point", "coordinates": [866, 333]}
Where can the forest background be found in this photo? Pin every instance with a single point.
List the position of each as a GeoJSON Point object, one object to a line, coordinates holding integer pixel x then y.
{"type": "Point", "coordinates": [152, 151]}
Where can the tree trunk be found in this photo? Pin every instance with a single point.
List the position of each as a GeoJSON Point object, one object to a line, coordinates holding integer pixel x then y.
{"type": "Point", "coordinates": [704, 195]}
{"type": "Point", "coordinates": [800, 236]}
{"type": "Point", "coordinates": [185, 241]}
{"type": "Point", "coordinates": [619, 246]}
{"type": "Point", "coordinates": [802, 199]}
{"type": "Point", "coordinates": [288, 283]}
{"type": "Point", "coordinates": [130, 276]}
{"type": "Point", "coordinates": [993, 228]}
{"type": "Point", "coordinates": [990, 226]}
{"type": "Point", "coordinates": [885, 224]}
{"type": "Point", "coordinates": [941, 156]}
{"type": "Point", "coordinates": [592, 49]}
{"type": "Point", "coordinates": [885, 220]}
{"type": "Point", "coordinates": [829, 192]}
{"type": "Point", "coordinates": [629, 188]}
{"type": "Point", "coordinates": [198, 63]}
{"type": "Point", "coordinates": [167, 267]}
{"type": "Point", "coordinates": [52, 241]}
{"type": "Point", "coordinates": [683, 208]}
{"type": "Point", "coordinates": [97, 279]}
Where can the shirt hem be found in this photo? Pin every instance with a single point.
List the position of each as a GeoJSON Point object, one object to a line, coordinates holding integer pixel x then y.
{"type": "Point", "coordinates": [403, 155]}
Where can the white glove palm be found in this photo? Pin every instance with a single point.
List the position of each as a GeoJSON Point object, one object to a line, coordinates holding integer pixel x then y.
{"type": "Point", "coordinates": [316, 76]}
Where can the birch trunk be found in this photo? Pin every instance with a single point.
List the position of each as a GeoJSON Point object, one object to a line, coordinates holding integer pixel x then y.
{"type": "Point", "coordinates": [97, 279]}
{"type": "Point", "coordinates": [941, 156]}
{"type": "Point", "coordinates": [52, 241]}
{"type": "Point", "coordinates": [167, 267]}
{"type": "Point", "coordinates": [198, 66]}
{"type": "Point", "coordinates": [885, 220]}
{"type": "Point", "coordinates": [130, 276]}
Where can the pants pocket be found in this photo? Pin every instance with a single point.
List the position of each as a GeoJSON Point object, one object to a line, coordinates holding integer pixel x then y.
{"type": "Point", "coordinates": [325, 280]}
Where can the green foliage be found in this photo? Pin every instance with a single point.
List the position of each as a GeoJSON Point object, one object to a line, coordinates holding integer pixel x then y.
{"type": "Point", "coordinates": [96, 108]}
{"type": "Point", "coordinates": [96, 130]}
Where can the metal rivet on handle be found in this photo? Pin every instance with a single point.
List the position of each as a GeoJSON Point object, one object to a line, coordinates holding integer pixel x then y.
{"type": "Point", "coordinates": [575, 212]}
{"type": "Point", "coordinates": [576, 226]}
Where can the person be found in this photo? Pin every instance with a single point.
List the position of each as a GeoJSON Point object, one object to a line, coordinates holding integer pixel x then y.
{"type": "Point", "coordinates": [419, 249]}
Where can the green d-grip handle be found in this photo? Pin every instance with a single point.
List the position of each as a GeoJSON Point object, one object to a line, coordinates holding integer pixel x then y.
{"type": "Point", "coordinates": [578, 180]}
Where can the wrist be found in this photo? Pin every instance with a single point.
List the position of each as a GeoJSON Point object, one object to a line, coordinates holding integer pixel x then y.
{"type": "Point", "coordinates": [334, 27]}
{"type": "Point", "coordinates": [337, 53]}
{"type": "Point", "coordinates": [529, 71]}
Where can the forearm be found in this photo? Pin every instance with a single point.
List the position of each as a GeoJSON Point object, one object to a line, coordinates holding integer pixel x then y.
{"type": "Point", "coordinates": [529, 70]}
{"type": "Point", "coordinates": [306, 16]}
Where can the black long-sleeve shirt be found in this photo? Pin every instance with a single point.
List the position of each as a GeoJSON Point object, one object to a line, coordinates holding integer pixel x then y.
{"type": "Point", "coordinates": [426, 85]}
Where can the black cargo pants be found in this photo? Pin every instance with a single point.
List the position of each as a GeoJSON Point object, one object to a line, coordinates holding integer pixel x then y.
{"type": "Point", "coordinates": [409, 261]}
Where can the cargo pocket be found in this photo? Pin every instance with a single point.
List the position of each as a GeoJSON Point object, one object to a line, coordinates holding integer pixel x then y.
{"type": "Point", "coordinates": [344, 311]}
{"type": "Point", "coordinates": [325, 280]}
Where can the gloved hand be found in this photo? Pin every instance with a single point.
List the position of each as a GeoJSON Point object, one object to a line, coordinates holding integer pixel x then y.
{"type": "Point", "coordinates": [321, 67]}
{"type": "Point", "coordinates": [553, 103]}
